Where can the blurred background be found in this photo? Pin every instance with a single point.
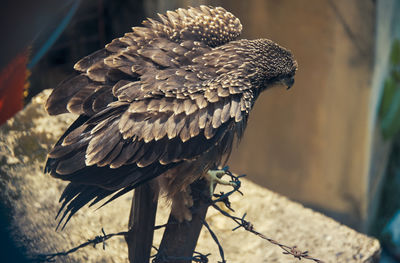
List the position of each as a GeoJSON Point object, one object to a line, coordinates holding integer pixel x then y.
{"type": "Point", "coordinates": [332, 142]}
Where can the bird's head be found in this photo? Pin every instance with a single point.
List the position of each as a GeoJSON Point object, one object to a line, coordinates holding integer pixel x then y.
{"type": "Point", "coordinates": [269, 64]}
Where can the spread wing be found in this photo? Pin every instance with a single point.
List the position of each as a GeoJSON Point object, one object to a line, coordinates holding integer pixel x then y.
{"type": "Point", "coordinates": [161, 95]}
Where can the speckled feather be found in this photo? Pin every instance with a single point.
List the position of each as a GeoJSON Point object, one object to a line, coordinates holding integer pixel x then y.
{"type": "Point", "coordinates": [168, 95]}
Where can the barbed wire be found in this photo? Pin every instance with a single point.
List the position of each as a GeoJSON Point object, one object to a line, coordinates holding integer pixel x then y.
{"type": "Point", "coordinates": [96, 240]}
{"type": "Point", "coordinates": [214, 236]}
{"type": "Point", "coordinates": [247, 225]}
{"type": "Point", "coordinates": [197, 256]}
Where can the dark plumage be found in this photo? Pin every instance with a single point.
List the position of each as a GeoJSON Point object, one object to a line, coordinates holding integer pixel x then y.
{"type": "Point", "coordinates": [166, 100]}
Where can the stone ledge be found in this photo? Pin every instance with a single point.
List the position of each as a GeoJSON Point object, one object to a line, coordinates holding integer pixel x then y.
{"type": "Point", "coordinates": [33, 197]}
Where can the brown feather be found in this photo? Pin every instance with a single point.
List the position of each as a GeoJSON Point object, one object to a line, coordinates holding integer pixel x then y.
{"type": "Point", "coordinates": [211, 95]}
{"type": "Point", "coordinates": [101, 126]}
{"type": "Point", "coordinates": [223, 92]}
{"type": "Point", "coordinates": [136, 124]}
{"type": "Point", "coordinates": [97, 72]}
{"type": "Point", "coordinates": [194, 125]}
{"type": "Point", "coordinates": [112, 155]}
{"type": "Point", "coordinates": [156, 56]}
{"type": "Point", "coordinates": [126, 123]}
{"type": "Point", "coordinates": [185, 132]}
{"type": "Point", "coordinates": [216, 116]}
{"type": "Point", "coordinates": [238, 115]}
{"type": "Point", "coordinates": [152, 154]}
{"type": "Point", "coordinates": [86, 62]}
{"type": "Point", "coordinates": [114, 75]}
{"type": "Point", "coordinates": [121, 84]}
{"type": "Point", "coordinates": [203, 113]}
{"type": "Point", "coordinates": [116, 45]}
{"type": "Point", "coordinates": [127, 152]}
{"type": "Point", "coordinates": [59, 98]}
{"type": "Point", "coordinates": [102, 144]}
{"type": "Point", "coordinates": [72, 164]}
{"type": "Point", "coordinates": [138, 106]}
{"type": "Point", "coordinates": [208, 129]}
{"type": "Point", "coordinates": [174, 125]}
{"type": "Point", "coordinates": [189, 106]}
{"type": "Point", "coordinates": [102, 99]}
{"type": "Point", "coordinates": [159, 128]}
{"type": "Point", "coordinates": [172, 151]}
{"type": "Point", "coordinates": [179, 106]}
{"type": "Point", "coordinates": [201, 101]}
{"type": "Point", "coordinates": [60, 151]}
{"type": "Point", "coordinates": [89, 101]}
{"type": "Point", "coordinates": [235, 107]}
{"type": "Point", "coordinates": [75, 104]}
{"type": "Point", "coordinates": [75, 135]}
{"type": "Point", "coordinates": [122, 62]}
{"type": "Point", "coordinates": [166, 105]}
{"type": "Point", "coordinates": [146, 133]}
{"type": "Point", "coordinates": [130, 92]}
{"type": "Point", "coordinates": [140, 149]}
{"type": "Point", "coordinates": [153, 105]}
{"type": "Point", "coordinates": [225, 114]}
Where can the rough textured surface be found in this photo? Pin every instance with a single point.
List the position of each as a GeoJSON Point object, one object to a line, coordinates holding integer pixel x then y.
{"type": "Point", "coordinates": [33, 197]}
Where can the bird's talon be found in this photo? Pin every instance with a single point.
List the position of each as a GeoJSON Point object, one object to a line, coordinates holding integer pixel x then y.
{"type": "Point", "coordinates": [214, 177]}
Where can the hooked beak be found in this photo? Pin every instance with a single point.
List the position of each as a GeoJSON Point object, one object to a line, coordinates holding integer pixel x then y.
{"type": "Point", "coordinates": [289, 82]}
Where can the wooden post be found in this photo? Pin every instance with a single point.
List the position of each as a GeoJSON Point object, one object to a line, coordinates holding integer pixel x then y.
{"type": "Point", "coordinates": [180, 239]}
{"type": "Point", "coordinates": [141, 224]}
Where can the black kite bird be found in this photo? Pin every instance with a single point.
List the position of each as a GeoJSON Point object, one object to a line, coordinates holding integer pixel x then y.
{"type": "Point", "coordinates": [164, 101]}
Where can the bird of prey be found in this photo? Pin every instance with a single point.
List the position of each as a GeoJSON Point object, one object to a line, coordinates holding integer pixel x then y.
{"type": "Point", "coordinates": [163, 102]}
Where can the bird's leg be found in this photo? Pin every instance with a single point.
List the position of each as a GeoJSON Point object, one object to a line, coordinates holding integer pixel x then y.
{"type": "Point", "coordinates": [214, 176]}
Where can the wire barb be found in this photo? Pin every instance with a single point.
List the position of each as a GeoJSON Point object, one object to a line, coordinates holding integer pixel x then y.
{"type": "Point", "coordinates": [197, 257]}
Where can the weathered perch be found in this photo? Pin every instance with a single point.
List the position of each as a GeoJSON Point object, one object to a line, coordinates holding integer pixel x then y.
{"type": "Point", "coordinates": [141, 224]}
{"type": "Point", "coordinates": [33, 198]}
{"type": "Point", "coordinates": [180, 239]}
